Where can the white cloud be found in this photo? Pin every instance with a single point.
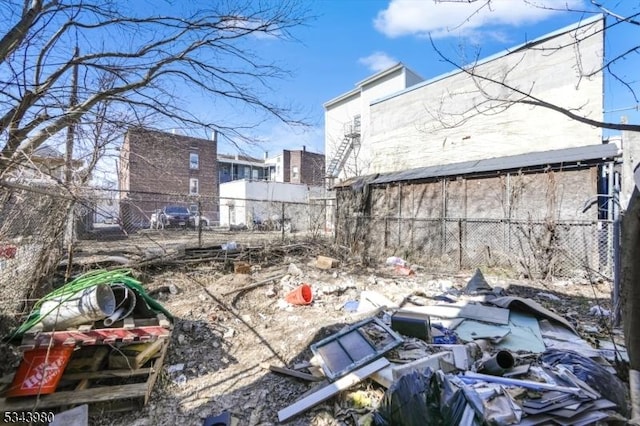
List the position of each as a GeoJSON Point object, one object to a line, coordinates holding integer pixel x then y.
{"type": "Point", "coordinates": [378, 61]}
{"type": "Point", "coordinates": [455, 18]}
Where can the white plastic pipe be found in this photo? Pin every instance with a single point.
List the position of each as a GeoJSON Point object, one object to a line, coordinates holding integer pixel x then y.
{"type": "Point", "coordinates": [113, 318]}
{"type": "Point", "coordinates": [84, 307]}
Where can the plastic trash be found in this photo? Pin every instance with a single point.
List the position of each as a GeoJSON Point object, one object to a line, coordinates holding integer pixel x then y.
{"type": "Point", "coordinates": [351, 306]}
{"type": "Point", "coordinates": [231, 245]}
{"type": "Point", "coordinates": [412, 400]}
{"type": "Point", "coordinates": [592, 373]}
{"type": "Point", "coordinates": [443, 336]}
{"type": "Point", "coordinates": [396, 261]}
{"type": "Point", "coordinates": [599, 311]}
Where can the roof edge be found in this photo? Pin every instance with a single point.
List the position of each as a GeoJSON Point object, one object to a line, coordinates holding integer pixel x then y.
{"type": "Point", "coordinates": [505, 163]}
{"type": "Point", "coordinates": [505, 52]}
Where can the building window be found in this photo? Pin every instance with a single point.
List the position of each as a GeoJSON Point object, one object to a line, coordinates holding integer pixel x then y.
{"type": "Point", "coordinates": [247, 172]}
{"type": "Point", "coordinates": [193, 186]}
{"type": "Point", "coordinates": [295, 172]}
{"type": "Point", "coordinates": [194, 161]}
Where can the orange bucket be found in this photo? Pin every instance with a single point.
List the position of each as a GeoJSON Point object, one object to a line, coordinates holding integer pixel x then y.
{"type": "Point", "coordinates": [40, 371]}
{"type": "Point", "coordinates": [301, 295]}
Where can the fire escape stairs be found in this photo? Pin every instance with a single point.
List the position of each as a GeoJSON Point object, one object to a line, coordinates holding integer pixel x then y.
{"type": "Point", "coordinates": [340, 157]}
{"type": "Point", "coordinates": [351, 139]}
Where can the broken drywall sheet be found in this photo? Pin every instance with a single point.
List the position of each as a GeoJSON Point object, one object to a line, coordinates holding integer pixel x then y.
{"type": "Point", "coordinates": [556, 336]}
{"type": "Point", "coordinates": [521, 334]}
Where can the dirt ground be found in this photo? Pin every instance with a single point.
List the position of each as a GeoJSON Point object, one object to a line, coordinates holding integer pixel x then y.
{"type": "Point", "coordinates": [223, 339]}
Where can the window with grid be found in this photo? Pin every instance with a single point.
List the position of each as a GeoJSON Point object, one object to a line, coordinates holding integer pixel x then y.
{"type": "Point", "coordinates": [193, 186]}
{"type": "Point", "coordinates": [194, 161]}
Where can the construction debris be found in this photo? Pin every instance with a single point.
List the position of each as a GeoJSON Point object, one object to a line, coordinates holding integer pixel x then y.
{"type": "Point", "coordinates": [68, 335]}
{"type": "Point", "coordinates": [472, 383]}
{"type": "Point", "coordinates": [469, 353]}
{"type": "Point", "coordinates": [324, 262]}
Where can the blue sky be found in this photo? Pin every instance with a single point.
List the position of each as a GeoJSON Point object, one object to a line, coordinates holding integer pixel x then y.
{"type": "Point", "coordinates": [353, 39]}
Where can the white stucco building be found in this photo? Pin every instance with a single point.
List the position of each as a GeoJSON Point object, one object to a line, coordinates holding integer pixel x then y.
{"type": "Point", "coordinates": [348, 120]}
{"type": "Point", "coordinates": [243, 201]}
{"type": "Point", "coordinates": [405, 123]}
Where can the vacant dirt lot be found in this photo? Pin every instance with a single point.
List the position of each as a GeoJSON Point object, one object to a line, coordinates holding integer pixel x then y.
{"type": "Point", "coordinates": [223, 339]}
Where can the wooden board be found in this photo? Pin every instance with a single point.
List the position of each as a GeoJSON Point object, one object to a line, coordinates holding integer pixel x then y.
{"type": "Point", "coordinates": [100, 398]}
{"type": "Point", "coordinates": [101, 336]}
{"type": "Point", "coordinates": [294, 373]}
{"type": "Point", "coordinates": [327, 392]}
{"type": "Point", "coordinates": [92, 395]}
{"type": "Point", "coordinates": [133, 356]}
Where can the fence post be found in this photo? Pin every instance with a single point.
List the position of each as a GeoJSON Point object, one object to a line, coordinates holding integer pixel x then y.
{"type": "Point", "coordinates": [459, 244]}
{"type": "Point", "coordinates": [282, 223]}
{"type": "Point", "coordinates": [199, 223]}
{"type": "Point", "coordinates": [337, 220]}
{"type": "Point", "coordinates": [616, 272]}
{"type": "Point", "coordinates": [399, 215]}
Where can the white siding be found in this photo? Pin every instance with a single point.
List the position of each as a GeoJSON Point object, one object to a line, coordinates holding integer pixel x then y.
{"type": "Point", "coordinates": [406, 130]}
{"type": "Point", "coordinates": [241, 201]}
{"type": "Point", "coordinates": [338, 114]}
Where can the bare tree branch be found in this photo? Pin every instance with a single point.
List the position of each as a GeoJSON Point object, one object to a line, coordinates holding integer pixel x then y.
{"type": "Point", "coordinates": [208, 50]}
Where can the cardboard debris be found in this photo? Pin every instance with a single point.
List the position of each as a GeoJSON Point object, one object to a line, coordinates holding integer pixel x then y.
{"type": "Point", "coordinates": [240, 267]}
{"type": "Point", "coordinates": [324, 262]}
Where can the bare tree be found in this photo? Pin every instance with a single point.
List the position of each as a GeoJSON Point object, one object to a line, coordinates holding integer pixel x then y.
{"type": "Point", "coordinates": [148, 58]}
{"type": "Point", "coordinates": [496, 93]}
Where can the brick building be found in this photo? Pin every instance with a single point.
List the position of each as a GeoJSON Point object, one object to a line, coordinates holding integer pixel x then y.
{"type": "Point", "coordinates": [158, 168]}
{"type": "Point", "coordinates": [298, 166]}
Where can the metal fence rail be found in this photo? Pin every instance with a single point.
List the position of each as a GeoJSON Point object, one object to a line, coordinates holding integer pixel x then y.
{"type": "Point", "coordinates": [108, 214]}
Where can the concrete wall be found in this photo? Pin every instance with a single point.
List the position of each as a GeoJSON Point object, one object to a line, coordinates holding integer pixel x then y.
{"type": "Point", "coordinates": [243, 201]}
{"type": "Point", "coordinates": [436, 122]}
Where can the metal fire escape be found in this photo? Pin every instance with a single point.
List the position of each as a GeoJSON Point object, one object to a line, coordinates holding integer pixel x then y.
{"type": "Point", "coordinates": [350, 141]}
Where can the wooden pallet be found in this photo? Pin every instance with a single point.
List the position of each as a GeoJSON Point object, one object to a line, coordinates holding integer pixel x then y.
{"type": "Point", "coordinates": [93, 388]}
{"type": "Point", "coordinates": [127, 331]}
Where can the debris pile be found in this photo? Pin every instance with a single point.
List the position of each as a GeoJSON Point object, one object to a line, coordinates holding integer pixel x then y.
{"type": "Point", "coordinates": [302, 334]}
{"type": "Point", "coordinates": [475, 356]}
{"type": "Point", "coordinates": [82, 341]}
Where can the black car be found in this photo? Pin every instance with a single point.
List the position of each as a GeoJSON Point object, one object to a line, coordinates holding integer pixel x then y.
{"type": "Point", "coordinates": [174, 216]}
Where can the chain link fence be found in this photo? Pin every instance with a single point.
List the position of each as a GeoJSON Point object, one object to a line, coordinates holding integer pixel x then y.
{"type": "Point", "coordinates": [537, 249]}
{"type": "Point", "coordinates": [34, 228]}
{"type": "Point", "coordinates": [112, 215]}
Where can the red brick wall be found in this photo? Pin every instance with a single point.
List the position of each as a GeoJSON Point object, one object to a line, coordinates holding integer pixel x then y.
{"type": "Point", "coordinates": [157, 163]}
{"type": "Point", "coordinates": [310, 167]}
